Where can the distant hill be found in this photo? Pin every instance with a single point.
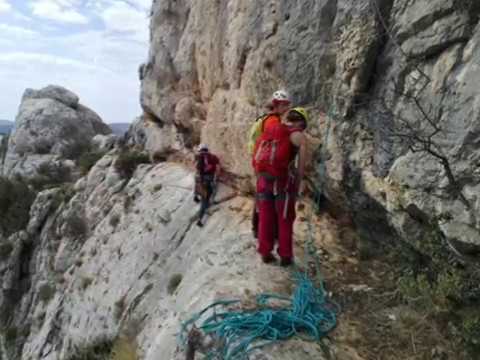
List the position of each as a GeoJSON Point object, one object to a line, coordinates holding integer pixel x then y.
{"type": "Point", "coordinates": [5, 126]}
{"type": "Point", "coordinates": [119, 128]}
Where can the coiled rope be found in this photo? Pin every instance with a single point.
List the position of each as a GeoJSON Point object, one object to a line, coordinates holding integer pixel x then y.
{"type": "Point", "coordinates": [309, 314]}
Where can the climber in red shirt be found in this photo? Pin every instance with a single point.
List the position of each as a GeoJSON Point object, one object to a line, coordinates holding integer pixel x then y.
{"type": "Point", "coordinates": [278, 183]}
{"type": "Point", "coordinates": [208, 168]}
{"type": "Point", "coordinates": [279, 105]}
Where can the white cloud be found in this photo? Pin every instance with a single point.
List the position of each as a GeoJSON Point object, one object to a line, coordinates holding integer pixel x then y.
{"type": "Point", "coordinates": [121, 17]}
{"type": "Point", "coordinates": [5, 6]}
{"type": "Point", "coordinates": [20, 59]}
{"type": "Point", "coordinates": [19, 17]}
{"type": "Point", "coordinates": [16, 32]}
{"type": "Point", "coordinates": [114, 96]}
{"type": "Point", "coordinates": [142, 4]}
{"type": "Point", "coordinates": [59, 10]}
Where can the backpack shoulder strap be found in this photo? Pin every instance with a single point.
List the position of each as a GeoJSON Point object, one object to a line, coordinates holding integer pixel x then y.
{"type": "Point", "coordinates": [261, 118]}
{"type": "Point", "coordinates": [201, 163]}
{"type": "Point", "coordinates": [267, 116]}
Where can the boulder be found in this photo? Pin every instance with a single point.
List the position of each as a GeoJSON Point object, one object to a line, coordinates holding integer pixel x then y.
{"type": "Point", "coordinates": [104, 142]}
{"type": "Point", "coordinates": [51, 124]}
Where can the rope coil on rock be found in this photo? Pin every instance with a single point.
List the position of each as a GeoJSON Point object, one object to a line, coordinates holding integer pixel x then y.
{"type": "Point", "coordinates": [308, 314]}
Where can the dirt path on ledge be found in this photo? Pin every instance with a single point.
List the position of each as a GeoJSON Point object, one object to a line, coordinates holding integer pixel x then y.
{"type": "Point", "coordinates": [374, 323]}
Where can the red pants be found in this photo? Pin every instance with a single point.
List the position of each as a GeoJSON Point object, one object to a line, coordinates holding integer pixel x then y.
{"type": "Point", "coordinates": [274, 219]}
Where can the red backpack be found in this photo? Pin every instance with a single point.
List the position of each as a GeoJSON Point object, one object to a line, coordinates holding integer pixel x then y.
{"type": "Point", "coordinates": [274, 151]}
{"type": "Point", "coordinates": [207, 163]}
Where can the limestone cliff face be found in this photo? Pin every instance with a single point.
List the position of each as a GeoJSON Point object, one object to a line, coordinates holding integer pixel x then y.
{"type": "Point", "coordinates": [213, 64]}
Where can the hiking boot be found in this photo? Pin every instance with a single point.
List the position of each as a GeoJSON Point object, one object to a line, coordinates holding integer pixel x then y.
{"type": "Point", "coordinates": [199, 223]}
{"type": "Point", "coordinates": [267, 259]}
{"type": "Point", "coordinates": [286, 261]}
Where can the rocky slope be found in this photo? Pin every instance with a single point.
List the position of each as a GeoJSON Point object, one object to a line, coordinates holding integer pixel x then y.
{"type": "Point", "coordinates": [51, 128]}
{"type": "Point", "coordinates": [122, 257]}
{"type": "Point", "coordinates": [396, 78]}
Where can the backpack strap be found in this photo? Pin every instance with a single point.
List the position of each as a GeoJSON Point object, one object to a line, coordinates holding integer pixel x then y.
{"type": "Point", "coordinates": [205, 160]}
{"type": "Point", "coordinates": [201, 165]}
{"type": "Point", "coordinates": [265, 117]}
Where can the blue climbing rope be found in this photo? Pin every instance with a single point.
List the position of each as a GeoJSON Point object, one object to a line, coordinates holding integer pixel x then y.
{"type": "Point", "coordinates": [308, 314]}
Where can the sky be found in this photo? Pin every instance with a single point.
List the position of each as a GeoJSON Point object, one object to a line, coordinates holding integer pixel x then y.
{"type": "Point", "coordinates": [91, 47]}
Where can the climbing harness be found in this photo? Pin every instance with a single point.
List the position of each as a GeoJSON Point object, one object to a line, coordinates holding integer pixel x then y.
{"type": "Point", "coordinates": [309, 314]}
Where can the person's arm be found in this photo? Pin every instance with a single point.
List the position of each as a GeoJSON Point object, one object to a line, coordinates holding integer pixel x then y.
{"type": "Point", "coordinates": [300, 141]}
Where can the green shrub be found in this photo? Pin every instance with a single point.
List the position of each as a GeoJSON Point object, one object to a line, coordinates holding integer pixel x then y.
{"type": "Point", "coordinates": [42, 146]}
{"type": "Point", "coordinates": [11, 334]}
{"type": "Point", "coordinates": [64, 195]}
{"type": "Point", "coordinates": [76, 225]}
{"type": "Point", "coordinates": [128, 161]}
{"type": "Point", "coordinates": [49, 175]}
{"type": "Point", "coordinates": [5, 250]}
{"type": "Point", "coordinates": [100, 349]}
{"type": "Point", "coordinates": [114, 220]}
{"type": "Point", "coordinates": [174, 282]}
{"type": "Point", "coordinates": [416, 290]}
{"type": "Point", "coordinates": [88, 159]}
{"type": "Point", "coordinates": [124, 349]}
{"type": "Point", "coordinates": [119, 308]}
{"type": "Point", "coordinates": [3, 145]}
{"type": "Point", "coordinates": [75, 150]}
{"type": "Point", "coordinates": [46, 292]}
{"type": "Point", "coordinates": [106, 348]}
{"type": "Point", "coordinates": [435, 295]}
{"type": "Point", "coordinates": [159, 157]}
{"type": "Point", "coordinates": [471, 333]}
{"type": "Point", "coordinates": [128, 202]}
{"type": "Point", "coordinates": [15, 201]}
{"type": "Point", "coordinates": [157, 187]}
{"type": "Point", "coordinates": [85, 282]}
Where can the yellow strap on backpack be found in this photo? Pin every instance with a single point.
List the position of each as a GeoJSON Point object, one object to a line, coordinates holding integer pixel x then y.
{"type": "Point", "coordinates": [255, 132]}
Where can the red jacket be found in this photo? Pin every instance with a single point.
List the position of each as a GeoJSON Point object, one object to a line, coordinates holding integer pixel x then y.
{"type": "Point", "coordinates": [207, 163]}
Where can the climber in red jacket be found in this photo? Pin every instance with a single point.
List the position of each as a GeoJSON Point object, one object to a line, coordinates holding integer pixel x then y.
{"type": "Point", "coordinates": [208, 168]}
{"type": "Point", "coordinates": [278, 183]}
{"type": "Point", "coordinates": [279, 105]}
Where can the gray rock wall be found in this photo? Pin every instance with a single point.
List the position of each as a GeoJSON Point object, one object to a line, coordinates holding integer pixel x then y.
{"type": "Point", "coordinates": [213, 64]}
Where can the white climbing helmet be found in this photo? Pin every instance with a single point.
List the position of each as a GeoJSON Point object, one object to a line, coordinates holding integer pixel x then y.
{"type": "Point", "coordinates": [203, 147]}
{"type": "Point", "coordinates": [281, 96]}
